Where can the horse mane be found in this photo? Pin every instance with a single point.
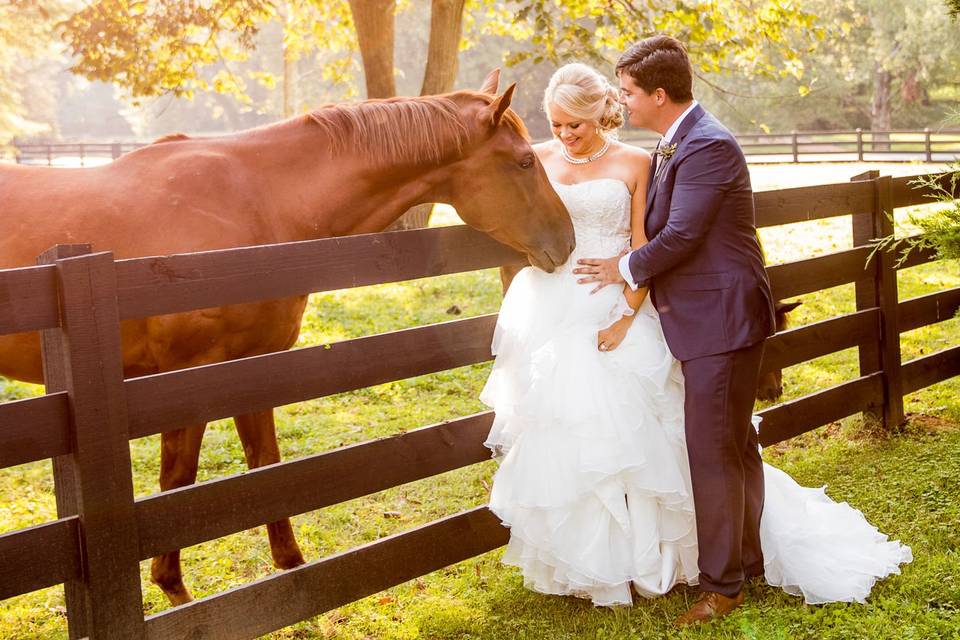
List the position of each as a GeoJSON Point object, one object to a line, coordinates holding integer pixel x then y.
{"type": "Point", "coordinates": [171, 137]}
{"type": "Point", "coordinates": [401, 130]}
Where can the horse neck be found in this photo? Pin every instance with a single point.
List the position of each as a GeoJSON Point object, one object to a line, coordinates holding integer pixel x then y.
{"type": "Point", "coordinates": [313, 195]}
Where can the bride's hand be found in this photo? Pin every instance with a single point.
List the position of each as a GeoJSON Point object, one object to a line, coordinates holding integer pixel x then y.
{"type": "Point", "coordinates": [610, 338]}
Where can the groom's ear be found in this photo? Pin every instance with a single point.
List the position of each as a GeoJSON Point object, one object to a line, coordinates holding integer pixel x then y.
{"type": "Point", "coordinates": [493, 112]}
{"type": "Point", "coordinates": [491, 84]}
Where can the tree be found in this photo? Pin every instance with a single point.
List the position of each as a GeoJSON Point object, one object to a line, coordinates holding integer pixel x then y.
{"type": "Point", "coordinates": [25, 42]}
{"type": "Point", "coordinates": [162, 46]}
{"type": "Point", "coordinates": [889, 51]}
{"type": "Point", "coordinates": [940, 231]}
{"type": "Point", "coordinates": [158, 48]}
{"type": "Point", "coordinates": [374, 21]}
{"type": "Point", "coordinates": [446, 30]}
{"type": "Point", "coordinates": [758, 37]}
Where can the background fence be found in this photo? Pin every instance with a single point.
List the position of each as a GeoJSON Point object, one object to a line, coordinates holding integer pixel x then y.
{"type": "Point", "coordinates": [899, 145]}
{"type": "Point", "coordinates": [78, 154]}
{"type": "Point", "coordinates": [90, 412]}
{"type": "Point", "coordinates": [823, 146]}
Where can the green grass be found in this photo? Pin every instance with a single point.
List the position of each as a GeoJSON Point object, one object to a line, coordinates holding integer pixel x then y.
{"type": "Point", "coordinates": [907, 484]}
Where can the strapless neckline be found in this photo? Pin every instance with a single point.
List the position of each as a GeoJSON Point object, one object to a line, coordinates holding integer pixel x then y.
{"type": "Point", "coordinates": [575, 184]}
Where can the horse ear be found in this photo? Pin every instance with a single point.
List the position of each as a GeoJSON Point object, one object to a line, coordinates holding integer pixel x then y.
{"type": "Point", "coordinates": [493, 113]}
{"type": "Point", "coordinates": [787, 307]}
{"type": "Point", "coordinates": [491, 84]}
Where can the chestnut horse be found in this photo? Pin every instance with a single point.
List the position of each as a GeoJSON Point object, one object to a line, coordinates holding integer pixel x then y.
{"type": "Point", "coordinates": [340, 170]}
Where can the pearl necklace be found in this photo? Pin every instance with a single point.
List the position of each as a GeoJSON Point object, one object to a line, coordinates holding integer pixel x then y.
{"type": "Point", "coordinates": [569, 158]}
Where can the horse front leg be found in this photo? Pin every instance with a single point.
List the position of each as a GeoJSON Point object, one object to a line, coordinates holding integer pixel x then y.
{"type": "Point", "coordinates": [179, 455]}
{"type": "Point", "coordinates": [508, 273]}
{"type": "Point", "coordinates": [259, 437]}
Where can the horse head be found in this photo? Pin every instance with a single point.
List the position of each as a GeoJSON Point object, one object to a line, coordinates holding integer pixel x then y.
{"type": "Point", "coordinates": [770, 386]}
{"type": "Point", "coordinates": [499, 185]}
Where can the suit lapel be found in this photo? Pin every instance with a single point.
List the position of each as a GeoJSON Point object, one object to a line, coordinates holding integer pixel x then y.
{"type": "Point", "coordinates": [651, 180]}
{"type": "Point", "coordinates": [692, 118]}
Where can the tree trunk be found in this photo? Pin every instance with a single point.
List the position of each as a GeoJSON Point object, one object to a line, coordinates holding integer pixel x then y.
{"type": "Point", "coordinates": [374, 22]}
{"type": "Point", "coordinates": [880, 114]}
{"type": "Point", "coordinates": [289, 65]}
{"type": "Point", "coordinates": [289, 83]}
{"type": "Point", "coordinates": [446, 27]}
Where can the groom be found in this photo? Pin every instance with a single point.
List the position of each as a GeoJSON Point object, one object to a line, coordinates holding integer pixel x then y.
{"type": "Point", "coordinates": [705, 273]}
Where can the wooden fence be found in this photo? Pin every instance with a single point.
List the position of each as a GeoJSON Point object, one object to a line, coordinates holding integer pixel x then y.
{"type": "Point", "coordinates": [90, 412]}
{"type": "Point", "coordinates": [820, 146]}
{"type": "Point", "coordinates": [79, 154]}
{"type": "Point", "coordinates": [840, 146]}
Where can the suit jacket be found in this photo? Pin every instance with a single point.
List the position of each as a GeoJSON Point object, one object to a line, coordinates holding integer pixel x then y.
{"type": "Point", "coordinates": [703, 262]}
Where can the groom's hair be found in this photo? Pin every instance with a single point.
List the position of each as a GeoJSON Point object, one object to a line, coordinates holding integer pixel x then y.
{"type": "Point", "coordinates": [659, 62]}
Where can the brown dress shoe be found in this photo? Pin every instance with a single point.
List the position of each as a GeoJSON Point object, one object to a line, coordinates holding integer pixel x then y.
{"type": "Point", "coordinates": [710, 605]}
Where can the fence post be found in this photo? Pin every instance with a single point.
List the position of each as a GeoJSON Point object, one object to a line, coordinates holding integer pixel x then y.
{"type": "Point", "coordinates": [890, 357]}
{"type": "Point", "coordinates": [859, 144]}
{"type": "Point", "coordinates": [65, 488]}
{"type": "Point", "coordinates": [927, 145]}
{"type": "Point", "coordinates": [796, 148]}
{"type": "Point", "coordinates": [94, 481]}
{"type": "Point", "coordinates": [879, 289]}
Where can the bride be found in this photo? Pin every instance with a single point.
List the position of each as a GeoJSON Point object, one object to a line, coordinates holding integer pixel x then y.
{"type": "Point", "coordinates": [594, 481]}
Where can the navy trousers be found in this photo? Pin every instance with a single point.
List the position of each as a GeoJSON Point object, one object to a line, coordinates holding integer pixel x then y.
{"type": "Point", "coordinates": [725, 466]}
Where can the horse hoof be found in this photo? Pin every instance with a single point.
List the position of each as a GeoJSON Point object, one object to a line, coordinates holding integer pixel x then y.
{"type": "Point", "coordinates": [178, 595]}
{"type": "Point", "coordinates": [288, 560]}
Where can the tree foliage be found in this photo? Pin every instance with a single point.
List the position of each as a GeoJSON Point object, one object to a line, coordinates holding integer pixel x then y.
{"type": "Point", "coordinates": [883, 52]}
{"type": "Point", "coordinates": [940, 231]}
{"type": "Point", "coordinates": [152, 48]}
{"type": "Point", "coordinates": [161, 46]}
{"type": "Point", "coordinates": [765, 38]}
{"type": "Point", "coordinates": [25, 38]}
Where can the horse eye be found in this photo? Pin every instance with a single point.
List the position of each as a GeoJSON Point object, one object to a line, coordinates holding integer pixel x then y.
{"type": "Point", "coordinates": [527, 162]}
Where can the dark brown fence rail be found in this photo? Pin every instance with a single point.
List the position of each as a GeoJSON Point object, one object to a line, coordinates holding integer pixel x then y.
{"type": "Point", "coordinates": [897, 145]}
{"type": "Point", "coordinates": [90, 412]}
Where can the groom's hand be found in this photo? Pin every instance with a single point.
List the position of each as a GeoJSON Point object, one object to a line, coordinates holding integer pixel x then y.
{"type": "Point", "coordinates": [602, 271]}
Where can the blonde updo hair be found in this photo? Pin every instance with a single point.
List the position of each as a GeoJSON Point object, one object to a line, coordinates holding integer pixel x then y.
{"type": "Point", "coordinates": [582, 92]}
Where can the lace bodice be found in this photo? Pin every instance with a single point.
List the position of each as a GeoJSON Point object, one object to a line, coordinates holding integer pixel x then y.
{"type": "Point", "coordinates": [600, 211]}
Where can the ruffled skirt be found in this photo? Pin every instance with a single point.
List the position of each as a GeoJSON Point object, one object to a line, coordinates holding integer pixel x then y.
{"type": "Point", "coordinates": [594, 481]}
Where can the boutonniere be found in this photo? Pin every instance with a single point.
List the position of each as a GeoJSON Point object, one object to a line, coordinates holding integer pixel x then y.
{"type": "Point", "coordinates": [666, 151]}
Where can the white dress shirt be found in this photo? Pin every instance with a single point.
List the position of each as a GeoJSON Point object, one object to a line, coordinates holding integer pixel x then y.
{"type": "Point", "coordinates": [624, 263]}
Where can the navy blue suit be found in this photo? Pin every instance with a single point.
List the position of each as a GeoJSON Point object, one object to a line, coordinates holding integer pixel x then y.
{"type": "Point", "coordinates": [704, 268]}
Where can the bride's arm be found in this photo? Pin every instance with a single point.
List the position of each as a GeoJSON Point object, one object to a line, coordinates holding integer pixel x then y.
{"type": "Point", "coordinates": [638, 237]}
{"type": "Point", "coordinates": [611, 337]}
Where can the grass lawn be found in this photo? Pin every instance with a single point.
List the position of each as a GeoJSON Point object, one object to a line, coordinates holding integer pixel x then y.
{"type": "Point", "coordinates": [907, 484]}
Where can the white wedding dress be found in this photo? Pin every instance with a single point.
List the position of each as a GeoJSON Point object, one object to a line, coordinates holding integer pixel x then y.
{"type": "Point", "coordinates": [594, 481]}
